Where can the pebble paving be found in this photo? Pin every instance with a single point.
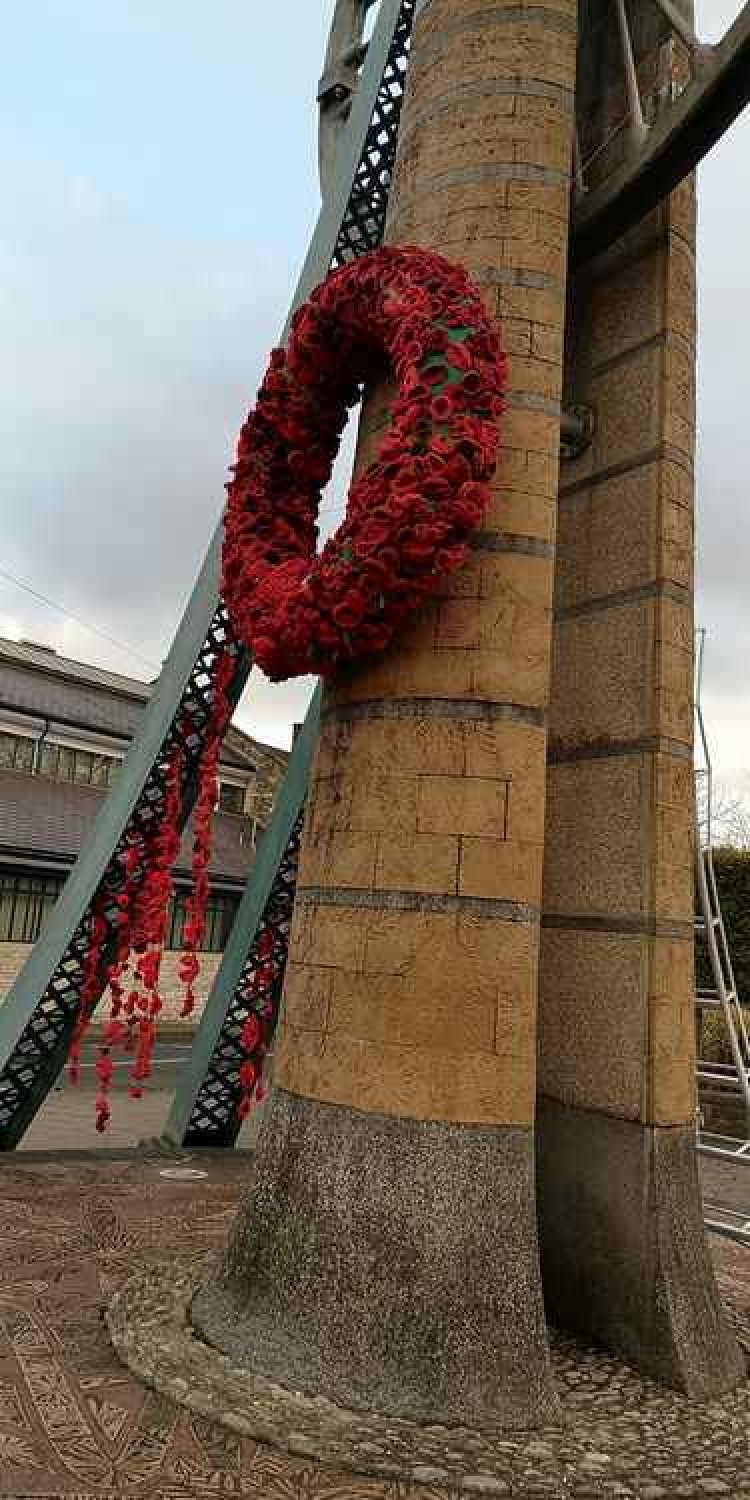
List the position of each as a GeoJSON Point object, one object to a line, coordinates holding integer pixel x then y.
{"type": "Point", "coordinates": [77, 1424]}
{"type": "Point", "coordinates": [620, 1436]}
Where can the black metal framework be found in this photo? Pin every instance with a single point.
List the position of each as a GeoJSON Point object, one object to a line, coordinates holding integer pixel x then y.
{"type": "Point", "coordinates": [32, 1063]}
{"type": "Point", "coordinates": [35, 1061]}
{"type": "Point", "coordinates": [214, 1120]}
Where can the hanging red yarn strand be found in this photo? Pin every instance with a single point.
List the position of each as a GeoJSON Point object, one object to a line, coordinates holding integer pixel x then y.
{"type": "Point", "coordinates": [195, 925]}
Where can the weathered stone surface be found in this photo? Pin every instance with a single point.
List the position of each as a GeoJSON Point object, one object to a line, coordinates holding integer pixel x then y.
{"type": "Point", "coordinates": [624, 1256]}
{"type": "Point", "coordinates": [378, 1029]}
{"type": "Point", "coordinates": [618, 1199]}
{"type": "Point", "coordinates": [388, 1263]}
{"type": "Point", "coordinates": [625, 1048]}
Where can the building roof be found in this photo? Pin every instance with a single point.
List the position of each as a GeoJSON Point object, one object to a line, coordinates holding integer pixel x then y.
{"type": "Point", "coordinates": [35, 680]}
{"type": "Point", "coordinates": [36, 656]}
{"type": "Point", "coordinates": [47, 822]}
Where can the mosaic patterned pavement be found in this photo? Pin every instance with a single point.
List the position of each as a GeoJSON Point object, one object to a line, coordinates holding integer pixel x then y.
{"type": "Point", "coordinates": [73, 1423]}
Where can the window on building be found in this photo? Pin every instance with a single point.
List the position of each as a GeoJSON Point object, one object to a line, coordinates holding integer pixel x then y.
{"type": "Point", "coordinates": [27, 900]}
{"type": "Point", "coordinates": [104, 769]}
{"type": "Point", "coordinates": [16, 752]}
{"type": "Point", "coordinates": [88, 767]}
{"type": "Point", "coordinates": [25, 904]}
{"type": "Point", "coordinates": [220, 914]}
{"type": "Point", "coordinates": [231, 798]}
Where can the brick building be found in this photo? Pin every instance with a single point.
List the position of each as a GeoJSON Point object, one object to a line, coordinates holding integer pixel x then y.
{"type": "Point", "coordinates": [65, 728]}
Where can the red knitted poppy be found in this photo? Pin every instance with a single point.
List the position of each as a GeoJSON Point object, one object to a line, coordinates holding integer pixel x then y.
{"type": "Point", "coordinates": [402, 312]}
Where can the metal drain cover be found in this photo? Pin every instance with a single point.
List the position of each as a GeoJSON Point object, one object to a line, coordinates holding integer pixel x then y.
{"type": "Point", "coordinates": [182, 1174]}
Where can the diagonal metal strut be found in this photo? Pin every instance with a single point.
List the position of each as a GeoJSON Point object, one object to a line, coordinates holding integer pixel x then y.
{"type": "Point", "coordinates": [37, 1018]}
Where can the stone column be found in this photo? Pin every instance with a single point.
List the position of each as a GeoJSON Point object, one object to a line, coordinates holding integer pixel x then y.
{"type": "Point", "coordinates": [623, 1250]}
{"type": "Point", "coordinates": [387, 1256]}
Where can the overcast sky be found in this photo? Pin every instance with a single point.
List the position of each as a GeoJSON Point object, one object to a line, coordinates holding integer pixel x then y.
{"type": "Point", "coordinates": [158, 162]}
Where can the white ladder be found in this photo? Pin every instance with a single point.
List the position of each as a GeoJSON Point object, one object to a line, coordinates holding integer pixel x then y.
{"type": "Point", "coordinates": [726, 1078]}
{"type": "Point", "coordinates": [722, 995]}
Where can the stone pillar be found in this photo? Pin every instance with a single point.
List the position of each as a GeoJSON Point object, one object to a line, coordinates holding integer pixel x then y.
{"type": "Point", "coordinates": [623, 1250]}
{"type": "Point", "coordinates": [387, 1256]}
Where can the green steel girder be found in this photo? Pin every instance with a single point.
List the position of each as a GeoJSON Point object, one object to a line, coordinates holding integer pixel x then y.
{"type": "Point", "coordinates": [682, 135]}
{"type": "Point", "coordinates": [345, 54]}
{"type": "Point", "coordinates": [204, 1107]}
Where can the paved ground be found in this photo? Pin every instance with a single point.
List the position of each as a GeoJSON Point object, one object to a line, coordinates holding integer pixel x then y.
{"type": "Point", "coordinates": [75, 1425]}
{"type": "Point", "coordinates": [66, 1121]}
{"type": "Point", "coordinates": [617, 1435]}
{"type": "Point", "coordinates": [170, 1055]}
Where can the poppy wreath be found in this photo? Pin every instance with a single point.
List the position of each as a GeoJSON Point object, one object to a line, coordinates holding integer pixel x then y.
{"type": "Point", "coordinates": [404, 312]}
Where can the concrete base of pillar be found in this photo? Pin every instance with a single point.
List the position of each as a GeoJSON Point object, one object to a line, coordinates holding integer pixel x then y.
{"type": "Point", "coordinates": [624, 1257]}
{"type": "Point", "coordinates": [389, 1264]}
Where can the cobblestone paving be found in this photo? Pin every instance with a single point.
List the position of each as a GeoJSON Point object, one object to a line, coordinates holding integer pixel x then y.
{"type": "Point", "coordinates": [620, 1435]}
{"type": "Point", "coordinates": [75, 1424]}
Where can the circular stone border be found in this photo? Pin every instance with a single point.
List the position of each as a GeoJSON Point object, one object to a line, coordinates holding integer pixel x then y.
{"type": "Point", "coordinates": [620, 1435]}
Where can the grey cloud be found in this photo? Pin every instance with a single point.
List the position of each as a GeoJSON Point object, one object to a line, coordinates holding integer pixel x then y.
{"type": "Point", "coordinates": [723, 458]}
{"type": "Point", "coordinates": [129, 362]}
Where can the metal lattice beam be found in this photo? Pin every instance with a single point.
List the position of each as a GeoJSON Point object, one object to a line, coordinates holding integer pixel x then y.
{"type": "Point", "coordinates": [204, 1108]}
{"type": "Point", "coordinates": [38, 1016]}
{"type": "Point", "coordinates": [669, 149]}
